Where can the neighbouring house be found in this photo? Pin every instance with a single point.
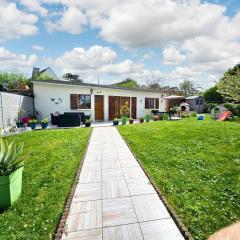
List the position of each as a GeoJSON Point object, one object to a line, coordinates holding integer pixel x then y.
{"type": "Point", "coordinates": [103, 102]}
{"type": "Point", "coordinates": [37, 73]}
{"type": "Point", "coordinates": [196, 103]}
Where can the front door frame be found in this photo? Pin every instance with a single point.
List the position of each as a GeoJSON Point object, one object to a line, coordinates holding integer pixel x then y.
{"type": "Point", "coordinates": [102, 107]}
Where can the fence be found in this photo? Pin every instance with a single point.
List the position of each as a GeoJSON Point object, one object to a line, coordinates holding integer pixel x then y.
{"type": "Point", "coordinates": [10, 105]}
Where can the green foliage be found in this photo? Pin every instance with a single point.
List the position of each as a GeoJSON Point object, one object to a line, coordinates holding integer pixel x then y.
{"type": "Point", "coordinates": [13, 80]}
{"type": "Point", "coordinates": [32, 121]}
{"type": "Point", "coordinates": [234, 108]}
{"type": "Point", "coordinates": [124, 120]}
{"type": "Point", "coordinates": [9, 157]}
{"type": "Point", "coordinates": [165, 116]}
{"type": "Point", "coordinates": [128, 83]}
{"type": "Point", "coordinates": [229, 84]}
{"type": "Point", "coordinates": [72, 78]}
{"type": "Point", "coordinates": [115, 119]}
{"type": "Point", "coordinates": [212, 95]}
{"type": "Point", "coordinates": [188, 88]}
{"type": "Point", "coordinates": [193, 114]}
{"type": "Point", "coordinates": [45, 76]}
{"type": "Point", "coordinates": [148, 117]}
{"type": "Point", "coordinates": [51, 162]}
{"type": "Point", "coordinates": [45, 120]}
{"type": "Point", "coordinates": [155, 118]}
{"type": "Point", "coordinates": [210, 106]}
{"type": "Point", "coordinates": [196, 166]}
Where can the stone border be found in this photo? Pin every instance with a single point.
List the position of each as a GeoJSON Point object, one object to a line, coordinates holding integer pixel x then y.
{"type": "Point", "coordinates": [172, 212]}
{"type": "Point", "coordinates": [61, 226]}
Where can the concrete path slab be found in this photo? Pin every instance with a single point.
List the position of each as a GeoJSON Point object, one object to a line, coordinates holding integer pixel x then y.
{"type": "Point", "coordinates": [114, 199]}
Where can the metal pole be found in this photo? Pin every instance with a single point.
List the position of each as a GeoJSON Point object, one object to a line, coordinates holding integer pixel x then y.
{"type": "Point", "coordinates": [2, 110]}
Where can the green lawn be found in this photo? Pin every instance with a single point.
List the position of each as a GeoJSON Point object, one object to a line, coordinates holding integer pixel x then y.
{"type": "Point", "coordinates": [196, 164]}
{"type": "Point", "coordinates": [51, 162]}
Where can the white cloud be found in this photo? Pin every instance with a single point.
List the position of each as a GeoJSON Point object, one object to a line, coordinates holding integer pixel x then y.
{"type": "Point", "coordinates": [37, 47]}
{"type": "Point", "coordinates": [10, 61]}
{"type": "Point", "coordinates": [72, 20]}
{"type": "Point", "coordinates": [35, 6]}
{"type": "Point", "coordinates": [15, 23]}
{"type": "Point", "coordinates": [172, 55]}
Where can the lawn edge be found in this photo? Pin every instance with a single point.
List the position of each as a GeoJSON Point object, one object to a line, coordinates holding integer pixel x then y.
{"type": "Point", "coordinates": [61, 226]}
{"type": "Point", "coordinates": [187, 235]}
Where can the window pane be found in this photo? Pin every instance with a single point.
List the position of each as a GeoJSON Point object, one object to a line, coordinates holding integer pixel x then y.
{"type": "Point", "coordinates": [81, 101]}
{"type": "Point", "coordinates": [88, 101]}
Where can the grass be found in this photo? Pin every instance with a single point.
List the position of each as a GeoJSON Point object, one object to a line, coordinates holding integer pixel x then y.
{"type": "Point", "coordinates": [51, 162]}
{"type": "Point", "coordinates": [196, 164]}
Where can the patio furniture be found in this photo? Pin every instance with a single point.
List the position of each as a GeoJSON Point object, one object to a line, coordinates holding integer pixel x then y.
{"type": "Point", "coordinates": [82, 115]}
{"type": "Point", "coordinates": [54, 119]}
{"type": "Point", "coordinates": [69, 120]}
{"type": "Point", "coordinates": [159, 113]}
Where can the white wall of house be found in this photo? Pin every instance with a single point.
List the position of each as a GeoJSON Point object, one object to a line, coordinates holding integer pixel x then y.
{"type": "Point", "coordinates": [53, 97]}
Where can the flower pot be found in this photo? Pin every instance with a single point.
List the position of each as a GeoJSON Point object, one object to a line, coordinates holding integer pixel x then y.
{"type": "Point", "coordinates": [115, 122]}
{"type": "Point", "coordinates": [87, 124]}
{"type": "Point", "coordinates": [44, 125]}
{"type": "Point", "coordinates": [32, 125]}
{"type": "Point", "coordinates": [19, 124]}
{"type": "Point", "coordinates": [10, 188]}
{"type": "Point", "coordinates": [124, 120]}
{"type": "Point", "coordinates": [131, 121]}
{"type": "Point", "coordinates": [141, 120]}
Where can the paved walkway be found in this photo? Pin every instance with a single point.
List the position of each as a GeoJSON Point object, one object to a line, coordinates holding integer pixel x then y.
{"type": "Point", "coordinates": [114, 199]}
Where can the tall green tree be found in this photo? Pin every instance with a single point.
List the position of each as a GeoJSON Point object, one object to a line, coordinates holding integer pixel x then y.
{"type": "Point", "coordinates": [212, 95]}
{"type": "Point", "coordinates": [127, 83]}
{"type": "Point", "coordinates": [189, 88]}
{"type": "Point", "coordinates": [13, 80]}
{"type": "Point", "coordinates": [229, 84]}
{"type": "Point", "coordinates": [72, 78]}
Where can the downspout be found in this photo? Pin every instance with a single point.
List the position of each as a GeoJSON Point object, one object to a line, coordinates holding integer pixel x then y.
{"type": "Point", "coordinates": [2, 109]}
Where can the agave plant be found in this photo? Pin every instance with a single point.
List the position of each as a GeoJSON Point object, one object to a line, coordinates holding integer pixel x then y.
{"type": "Point", "coordinates": [9, 157]}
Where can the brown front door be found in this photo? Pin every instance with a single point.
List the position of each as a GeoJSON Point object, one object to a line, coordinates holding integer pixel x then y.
{"type": "Point", "coordinates": [99, 108]}
{"type": "Point", "coordinates": [115, 104]}
{"type": "Point", "coordinates": [134, 107]}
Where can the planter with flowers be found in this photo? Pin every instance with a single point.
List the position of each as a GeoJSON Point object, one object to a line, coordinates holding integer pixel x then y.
{"type": "Point", "coordinates": [130, 120]}
{"type": "Point", "coordinates": [32, 123]}
{"type": "Point", "coordinates": [124, 111]}
{"type": "Point", "coordinates": [88, 123]}
{"type": "Point", "coordinates": [141, 119]}
{"type": "Point", "coordinates": [115, 121]}
{"type": "Point", "coordinates": [11, 168]}
{"type": "Point", "coordinates": [44, 123]}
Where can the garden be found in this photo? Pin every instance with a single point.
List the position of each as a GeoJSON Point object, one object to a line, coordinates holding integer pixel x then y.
{"type": "Point", "coordinates": [196, 166]}
{"type": "Point", "coordinates": [51, 160]}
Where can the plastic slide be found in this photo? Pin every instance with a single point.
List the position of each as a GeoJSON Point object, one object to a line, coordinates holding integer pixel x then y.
{"type": "Point", "coordinates": [224, 116]}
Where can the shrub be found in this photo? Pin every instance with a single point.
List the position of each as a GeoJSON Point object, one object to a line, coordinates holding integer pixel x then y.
{"type": "Point", "coordinates": [148, 117]}
{"type": "Point", "coordinates": [234, 108]}
{"type": "Point", "coordinates": [193, 114]}
{"type": "Point", "coordinates": [165, 116]}
{"type": "Point", "coordinates": [32, 121]}
{"type": "Point", "coordinates": [210, 106]}
{"type": "Point", "coordinates": [45, 120]}
{"type": "Point", "coordinates": [155, 118]}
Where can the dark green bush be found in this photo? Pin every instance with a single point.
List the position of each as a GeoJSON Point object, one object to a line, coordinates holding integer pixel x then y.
{"type": "Point", "coordinates": [234, 108]}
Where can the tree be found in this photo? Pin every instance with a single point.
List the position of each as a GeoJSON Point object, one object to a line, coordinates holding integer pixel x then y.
{"type": "Point", "coordinates": [128, 83]}
{"type": "Point", "coordinates": [12, 81]}
{"type": "Point", "coordinates": [72, 78]}
{"type": "Point", "coordinates": [212, 95]}
{"type": "Point", "coordinates": [229, 84]}
{"type": "Point", "coordinates": [44, 76]}
{"type": "Point", "coordinates": [155, 83]}
{"type": "Point", "coordinates": [188, 88]}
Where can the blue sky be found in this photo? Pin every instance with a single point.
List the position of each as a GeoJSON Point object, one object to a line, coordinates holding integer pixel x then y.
{"type": "Point", "coordinates": [149, 39]}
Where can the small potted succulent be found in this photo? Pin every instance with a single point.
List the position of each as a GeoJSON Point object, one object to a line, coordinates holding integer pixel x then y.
{"type": "Point", "coordinates": [44, 123]}
{"type": "Point", "coordinates": [148, 117]}
{"type": "Point", "coordinates": [155, 118]}
{"type": "Point", "coordinates": [32, 123]}
{"type": "Point", "coordinates": [141, 119]}
{"type": "Point", "coordinates": [11, 168]}
{"type": "Point", "coordinates": [130, 120]}
{"type": "Point", "coordinates": [115, 121]}
{"type": "Point", "coordinates": [88, 123]}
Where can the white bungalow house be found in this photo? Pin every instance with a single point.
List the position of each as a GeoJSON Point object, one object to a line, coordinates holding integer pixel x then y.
{"type": "Point", "coordinates": [103, 102]}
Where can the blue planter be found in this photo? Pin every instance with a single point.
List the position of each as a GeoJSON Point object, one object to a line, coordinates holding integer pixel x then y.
{"type": "Point", "coordinates": [44, 125]}
{"type": "Point", "coordinates": [115, 123]}
{"type": "Point", "coordinates": [32, 125]}
{"type": "Point", "coordinates": [19, 124]}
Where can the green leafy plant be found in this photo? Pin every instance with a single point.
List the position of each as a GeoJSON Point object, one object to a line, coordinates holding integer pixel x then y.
{"type": "Point", "coordinates": [45, 120]}
{"type": "Point", "coordinates": [33, 121]}
{"type": "Point", "coordinates": [115, 119]}
{"type": "Point", "coordinates": [155, 118]}
{"type": "Point", "coordinates": [88, 121]}
{"type": "Point", "coordinates": [9, 157]}
{"type": "Point", "coordinates": [165, 116]}
{"type": "Point", "coordinates": [193, 114]}
{"type": "Point", "coordinates": [147, 117]}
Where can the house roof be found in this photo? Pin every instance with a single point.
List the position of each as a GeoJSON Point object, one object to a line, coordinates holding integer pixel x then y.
{"type": "Point", "coordinates": [193, 97]}
{"type": "Point", "coordinates": [64, 82]}
{"type": "Point", "coordinates": [175, 97]}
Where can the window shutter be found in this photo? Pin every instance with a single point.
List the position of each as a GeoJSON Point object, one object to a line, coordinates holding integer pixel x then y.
{"type": "Point", "coordinates": [146, 102]}
{"type": "Point", "coordinates": [74, 101]}
{"type": "Point", "coordinates": [157, 103]}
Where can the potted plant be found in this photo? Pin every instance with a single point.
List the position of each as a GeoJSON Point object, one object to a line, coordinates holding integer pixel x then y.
{"type": "Point", "coordinates": [160, 117]}
{"type": "Point", "coordinates": [19, 121]}
{"type": "Point", "coordinates": [124, 111]}
{"type": "Point", "coordinates": [155, 118]}
{"type": "Point", "coordinates": [44, 123]}
{"type": "Point", "coordinates": [32, 123]}
{"type": "Point", "coordinates": [147, 117]}
{"type": "Point", "coordinates": [141, 119]}
{"type": "Point", "coordinates": [88, 123]}
{"type": "Point", "coordinates": [11, 168]}
{"type": "Point", "coordinates": [115, 121]}
{"type": "Point", "coordinates": [130, 120]}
